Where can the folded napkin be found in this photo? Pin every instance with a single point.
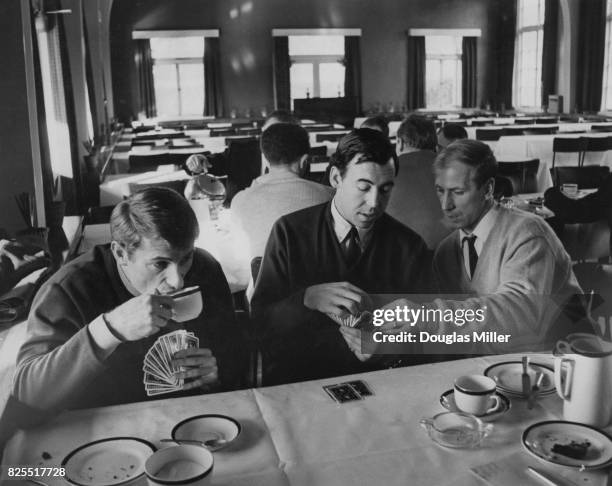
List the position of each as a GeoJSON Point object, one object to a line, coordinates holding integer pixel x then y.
{"type": "Point", "coordinates": [512, 470]}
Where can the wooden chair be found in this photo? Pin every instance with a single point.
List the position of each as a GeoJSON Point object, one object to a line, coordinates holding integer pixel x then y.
{"type": "Point", "coordinates": [587, 177]}
{"type": "Point", "coordinates": [147, 162]}
{"type": "Point", "coordinates": [540, 130]}
{"type": "Point", "coordinates": [597, 144]}
{"type": "Point", "coordinates": [601, 128]}
{"type": "Point", "coordinates": [503, 188]}
{"type": "Point", "coordinates": [522, 174]}
{"type": "Point", "coordinates": [489, 134]}
{"type": "Point", "coordinates": [569, 145]}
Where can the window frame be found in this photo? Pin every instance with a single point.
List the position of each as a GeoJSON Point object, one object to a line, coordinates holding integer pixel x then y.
{"type": "Point", "coordinates": [606, 93]}
{"type": "Point", "coordinates": [517, 90]}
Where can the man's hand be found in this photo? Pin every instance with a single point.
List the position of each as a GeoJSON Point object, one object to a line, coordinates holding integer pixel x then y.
{"type": "Point", "coordinates": [352, 337]}
{"type": "Point", "coordinates": [141, 316]}
{"type": "Point", "coordinates": [200, 364]}
{"type": "Point", "coordinates": [339, 298]}
{"type": "Point", "coordinates": [198, 164]}
{"type": "Point", "coordinates": [22, 257]}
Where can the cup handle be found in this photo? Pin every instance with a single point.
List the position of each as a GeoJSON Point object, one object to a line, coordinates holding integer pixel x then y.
{"type": "Point", "coordinates": [496, 402]}
{"type": "Point", "coordinates": [426, 423]}
{"type": "Point", "coordinates": [563, 377]}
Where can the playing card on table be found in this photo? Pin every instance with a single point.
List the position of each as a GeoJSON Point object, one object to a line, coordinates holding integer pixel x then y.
{"type": "Point", "coordinates": [159, 369]}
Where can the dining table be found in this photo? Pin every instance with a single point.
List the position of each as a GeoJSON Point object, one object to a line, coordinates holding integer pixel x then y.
{"type": "Point", "coordinates": [295, 434]}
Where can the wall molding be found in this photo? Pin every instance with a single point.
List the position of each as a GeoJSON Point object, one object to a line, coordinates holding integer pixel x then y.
{"type": "Point", "coordinates": [288, 32]}
{"type": "Point", "coordinates": [449, 32]}
{"type": "Point", "coordinates": [147, 34]}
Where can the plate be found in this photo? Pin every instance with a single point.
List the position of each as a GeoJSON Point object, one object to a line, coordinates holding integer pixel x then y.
{"type": "Point", "coordinates": [208, 427]}
{"type": "Point", "coordinates": [447, 400]}
{"type": "Point", "coordinates": [546, 441]}
{"type": "Point", "coordinates": [507, 375]}
{"type": "Point", "coordinates": [107, 462]}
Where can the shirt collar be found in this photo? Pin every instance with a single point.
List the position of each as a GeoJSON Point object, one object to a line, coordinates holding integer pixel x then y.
{"type": "Point", "coordinates": [342, 227]}
{"type": "Point", "coordinates": [277, 177]}
{"type": "Point", "coordinates": [482, 229]}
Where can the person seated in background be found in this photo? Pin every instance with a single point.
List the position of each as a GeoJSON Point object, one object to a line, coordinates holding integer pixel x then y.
{"type": "Point", "coordinates": [93, 321]}
{"type": "Point", "coordinates": [506, 262]}
{"type": "Point", "coordinates": [282, 190]}
{"type": "Point", "coordinates": [414, 201]}
{"type": "Point", "coordinates": [215, 164]}
{"type": "Point", "coordinates": [449, 133]}
{"type": "Point", "coordinates": [378, 122]}
{"type": "Point", "coordinates": [320, 263]}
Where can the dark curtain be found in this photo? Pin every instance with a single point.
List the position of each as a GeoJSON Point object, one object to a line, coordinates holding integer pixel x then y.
{"type": "Point", "coordinates": [415, 97]}
{"type": "Point", "coordinates": [281, 64]}
{"type": "Point", "coordinates": [549, 50]}
{"type": "Point", "coordinates": [352, 64]}
{"type": "Point", "coordinates": [591, 46]}
{"type": "Point", "coordinates": [213, 96]}
{"type": "Point", "coordinates": [505, 55]}
{"type": "Point", "coordinates": [144, 68]}
{"type": "Point", "coordinates": [469, 72]}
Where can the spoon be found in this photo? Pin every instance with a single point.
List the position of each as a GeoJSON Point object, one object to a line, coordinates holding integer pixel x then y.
{"type": "Point", "coordinates": [209, 444]}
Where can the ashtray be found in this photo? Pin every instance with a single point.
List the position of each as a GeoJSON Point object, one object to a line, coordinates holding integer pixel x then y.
{"type": "Point", "coordinates": [456, 430]}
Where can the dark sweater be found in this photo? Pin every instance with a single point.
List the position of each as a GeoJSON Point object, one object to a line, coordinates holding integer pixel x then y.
{"type": "Point", "coordinates": [303, 250]}
{"type": "Point", "coordinates": [58, 366]}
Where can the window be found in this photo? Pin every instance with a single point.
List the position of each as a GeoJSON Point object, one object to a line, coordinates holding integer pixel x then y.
{"type": "Point", "coordinates": [317, 66]}
{"type": "Point", "coordinates": [527, 90]}
{"type": "Point", "coordinates": [178, 75]}
{"type": "Point", "coordinates": [606, 100]}
{"type": "Point", "coordinates": [443, 71]}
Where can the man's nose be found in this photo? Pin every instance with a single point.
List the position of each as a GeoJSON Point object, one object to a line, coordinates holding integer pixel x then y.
{"type": "Point", "coordinates": [373, 198]}
{"type": "Point", "coordinates": [174, 278]}
{"type": "Point", "coordinates": [446, 201]}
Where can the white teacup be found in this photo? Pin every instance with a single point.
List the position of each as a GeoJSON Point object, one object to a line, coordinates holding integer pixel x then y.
{"type": "Point", "coordinates": [187, 303]}
{"type": "Point", "coordinates": [570, 189]}
{"type": "Point", "coordinates": [181, 464]}
{"type": "Point", "coordinates": [475, 394]}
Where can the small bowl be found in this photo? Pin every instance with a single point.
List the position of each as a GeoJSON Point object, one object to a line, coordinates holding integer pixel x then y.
{"type": "Point", "coordinates": [208, 427]}
{"type": "Point", "coordinates": [456, 430]}
{"type": "Point", "coordinates": [181, 464]}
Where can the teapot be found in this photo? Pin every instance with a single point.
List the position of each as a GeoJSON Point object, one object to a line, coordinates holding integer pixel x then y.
{"type": "Point", "coordinates": [583, 378]}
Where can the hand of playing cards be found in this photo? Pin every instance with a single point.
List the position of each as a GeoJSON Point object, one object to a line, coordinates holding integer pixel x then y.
{"type": "Point", "coordinates": [159, 370]}
{"type": "Point", "coordinates": [350, 320]}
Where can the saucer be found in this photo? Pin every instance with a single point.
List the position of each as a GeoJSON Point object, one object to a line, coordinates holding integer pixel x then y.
{"type": "Point", "coordinates": [569, 444]}
{"type": "Point", "coordinates": [108, 462]}
{"type": "Point", "coordinates": [508, 377]}
{"type": "Point", "coordinates": [208, 427]}
{"type": "Point", "coordinates": [447, 400]}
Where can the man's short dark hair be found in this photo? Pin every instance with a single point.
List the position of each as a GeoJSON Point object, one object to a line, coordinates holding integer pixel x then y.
{"type": "Point", "coordinates": [372, 145]}
{"type": "Point", "coordinates": [453, 131]}
{"type": "Point", "coordinates": [472, 153]}
{"type": "Point", "coordinates": [155, 212]}
{"type": "Point", "coordinates": [281, 116]}
{"type": "Point", "coordinates": [418, 132]}
{"type": "Point", "coordinates": [284, 143]}
{"type": "Point", "coordinates": [378, 122]}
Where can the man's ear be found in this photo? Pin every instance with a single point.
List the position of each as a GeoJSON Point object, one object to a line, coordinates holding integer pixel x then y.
{"type": "Point", "coordinates": [120, 253]}
{"type": "Point", "coordinates": [335, 178]}
{"type": "Point", "coordinates": [304, 166]}
{"type": "Point", "coordinates": [490, 188]}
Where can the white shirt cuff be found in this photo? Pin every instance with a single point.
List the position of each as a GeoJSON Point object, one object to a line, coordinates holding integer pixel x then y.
{"type": "Point", "coordinates": [102, 337]}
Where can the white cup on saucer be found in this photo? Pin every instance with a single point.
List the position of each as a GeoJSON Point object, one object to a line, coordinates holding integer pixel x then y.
{"type": "Point", "coordinates": [570, 190]}
{"type": "Point", "coordinates": [183, 464]}
{"type": "Point", "coordinates": [475, 394]}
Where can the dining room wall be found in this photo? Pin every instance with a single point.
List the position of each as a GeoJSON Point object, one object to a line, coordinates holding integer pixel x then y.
{"type": "Point", "coordinates": [246, 40]}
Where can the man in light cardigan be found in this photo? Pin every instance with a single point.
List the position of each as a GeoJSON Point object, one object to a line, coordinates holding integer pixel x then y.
{"type": "Point", "coordinates": [504, 261]}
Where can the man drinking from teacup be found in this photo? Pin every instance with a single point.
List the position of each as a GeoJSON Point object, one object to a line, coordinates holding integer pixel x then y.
{"type": "Point", "coordinates": [506, 263]}
{"type": "Point", "coordinates": [92, 323]}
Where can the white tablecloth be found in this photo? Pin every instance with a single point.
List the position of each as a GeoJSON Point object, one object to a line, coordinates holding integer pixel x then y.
{"type": "Point", "coordinates": [295, 434]}
{"type": "Point", "coordinates": [540, 147]}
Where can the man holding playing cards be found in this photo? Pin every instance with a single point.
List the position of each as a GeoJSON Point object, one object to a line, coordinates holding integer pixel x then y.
{"type": "Point", "coordinates": [94, 321]}
{"type": "Point", "coordinates": [321, 263]}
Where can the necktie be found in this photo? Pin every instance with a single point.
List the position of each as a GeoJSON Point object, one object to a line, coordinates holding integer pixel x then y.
{"type": "Point", "coordinates": [352, 248]}
{"type": "Point", "coordinates": [471, 252]}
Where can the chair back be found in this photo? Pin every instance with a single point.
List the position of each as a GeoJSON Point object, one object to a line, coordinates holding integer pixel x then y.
{"type": "Point", "coordinates": [587, 177]}
{"type": "Point", "coordinates": [147, 162]}
{"type": "Point", "coordinates": [540, 130]}
{"type": "Point", "coordinates": [318, 151]}
{"type": "Point", "coordinates": [503, 187]}
{"type": "Point", "coordinates": [598, 144]}
{"type": "Point", "coordinates": [601, 128]}
{"type": "Point", "coordinates": [329, 137]}
{"type": "Point", "coordinates": [222, 132]}
{"type": "Point", "coordinates": [479, 123]}
{"type": "Point", "coordinates": [571, 144]}
{"type": "Point", "coordinates": [243, 164]}
{"type": "Point", "coordinates": [178, 186]}
{"type": "Point", "coordinates": [513, 131]}
{"type": "Point", "coordinates": [522, 174]}
{"type": "Point", "coordinates": [489, 134]}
